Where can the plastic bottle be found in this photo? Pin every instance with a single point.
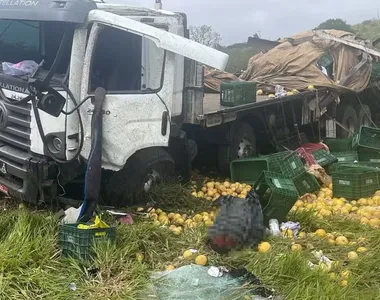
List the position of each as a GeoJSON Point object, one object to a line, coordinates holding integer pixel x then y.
{"type": "Point", "coordinates": [274, 227]}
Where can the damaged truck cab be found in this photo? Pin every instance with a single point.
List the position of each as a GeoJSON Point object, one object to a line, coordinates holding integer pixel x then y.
{"type": "Point", "coordinates": [147, 66]}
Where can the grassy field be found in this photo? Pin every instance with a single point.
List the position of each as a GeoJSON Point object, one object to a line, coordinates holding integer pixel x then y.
{"type": "Point", "coordinates": [32, 267]}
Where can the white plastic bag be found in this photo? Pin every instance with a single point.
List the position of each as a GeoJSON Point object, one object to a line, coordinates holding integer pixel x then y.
{"type": "Point", "coordinates": [23, 68]}
{"type": "Point", "coordinates": [279, 91]}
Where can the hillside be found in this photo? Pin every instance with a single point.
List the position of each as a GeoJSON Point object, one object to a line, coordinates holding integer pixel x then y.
{"type": "Point", "coordinates": [239, 57]}
{"type": "Point", "coordinates": [369, 29]}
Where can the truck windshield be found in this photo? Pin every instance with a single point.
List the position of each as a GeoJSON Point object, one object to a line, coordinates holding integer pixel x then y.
{"type": "Point", "coordinates": [37, 41]}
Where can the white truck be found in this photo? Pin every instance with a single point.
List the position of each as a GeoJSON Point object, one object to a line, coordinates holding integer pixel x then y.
{"type": "Point", "coordinates": [155, 114]}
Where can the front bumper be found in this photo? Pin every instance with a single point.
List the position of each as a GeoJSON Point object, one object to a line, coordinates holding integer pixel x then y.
{"type": "Point", "coordinates": [24, 176]}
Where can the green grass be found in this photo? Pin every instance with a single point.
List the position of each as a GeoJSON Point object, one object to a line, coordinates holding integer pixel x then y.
{"type": "Point", "coordinates": [32, 267]}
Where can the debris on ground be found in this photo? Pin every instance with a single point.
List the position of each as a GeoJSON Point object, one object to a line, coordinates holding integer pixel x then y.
{"type": "Point", "coordinates": [239, 223]}
{"type": "Point", "coordinates": [197, 282]}
{"type": "Point", "coordinates": [327, 246]}
{"type": "Point", "coordinates": [123, 217]}
{"type": "Point", "coordinates": [71, 215]}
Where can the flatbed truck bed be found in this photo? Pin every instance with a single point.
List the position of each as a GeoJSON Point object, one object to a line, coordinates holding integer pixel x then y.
{"type": "Point", "coordinates": [215, 114]}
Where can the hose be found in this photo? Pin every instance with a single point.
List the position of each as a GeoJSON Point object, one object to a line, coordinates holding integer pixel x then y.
{"type": "Point", "coordinates": [94, 163]}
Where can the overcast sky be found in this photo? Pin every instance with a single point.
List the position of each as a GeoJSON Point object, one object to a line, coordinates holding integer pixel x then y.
{"type": "Point", "coordinates": [235, 20]}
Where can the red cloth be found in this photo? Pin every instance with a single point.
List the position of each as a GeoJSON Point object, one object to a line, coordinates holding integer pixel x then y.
{"type": "Point", "coordinates": [312, 147]}
{"type": "Point", "coordinates": [307, 156]}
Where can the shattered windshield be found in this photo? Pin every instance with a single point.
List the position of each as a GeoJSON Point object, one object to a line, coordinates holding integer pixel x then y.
{"type": "Point", "coordinates": [37, 41]}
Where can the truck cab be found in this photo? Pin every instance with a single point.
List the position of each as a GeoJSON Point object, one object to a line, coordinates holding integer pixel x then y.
{"type": "Point", "coordinates": [145, 63]}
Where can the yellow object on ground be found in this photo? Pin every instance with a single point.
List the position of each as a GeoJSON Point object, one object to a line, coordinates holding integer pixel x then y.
{"type": "Point", "coordinates": [201, 260]}
{"type": "Point", "coordinates": [170, 268]}
{"type": "Point", "coordinates": [344, 283]}
{"type": "Point", "coordinates": [341, 241]}
{"type": "Point", "coordinates": [321, 233]}
{"type": "Point", "coordinates": [188, 255]}
{"type": "Point", "coordinates": [98, 223]}
{"type": "Point", "coordinates": [352, 255]}
{"type": "Point", "coordinates": [140, 257]}
{"type": "Point", "coordinates": [264, 247]}
{"type": "Point", "coordinates": [296, 247]}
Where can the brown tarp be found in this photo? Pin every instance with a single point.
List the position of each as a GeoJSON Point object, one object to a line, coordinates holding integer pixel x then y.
{"type": "Point", "coordinates": [214, 78]}
{"type": "Point", "coordinates": [293, 64]}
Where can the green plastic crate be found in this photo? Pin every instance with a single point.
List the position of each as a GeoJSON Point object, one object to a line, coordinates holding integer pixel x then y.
{"type": "Point", "coordinates": [306, 183]}
{"type": "Point", "coordinates": [277, 195]}
{"type": "Point", "coordinates": [355, 182]}
{"type": "Point", "coordinates": [78, 243]}
{"type": "Point", "coordinates": [369, 157]}
{"type": "Point", "coordinates": [367, 138]}
{"type": "Point", "coordinates": [338, 145]}
{"type": "Point", "coordinates": [324, 158]}
{"type": "Point", "coordinates": [346, 157]}
{"type": "Point", "coordinates": [292, 166]}
{"type": "Point", "coordinates": [275, 160]}
{"type": "Point", "coordinates": [248, 170]}
{"type": "Point", "coordinates": [237, 93]}
{"type": "Point", "coordinates": [342, 167]}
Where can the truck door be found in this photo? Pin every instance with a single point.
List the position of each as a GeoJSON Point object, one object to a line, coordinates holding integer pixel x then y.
{"type": "Point", "coordinates": [135, 63]}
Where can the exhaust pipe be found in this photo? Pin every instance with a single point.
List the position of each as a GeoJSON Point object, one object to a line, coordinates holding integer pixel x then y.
{"type": "Point", "coordinates": [158, 4]}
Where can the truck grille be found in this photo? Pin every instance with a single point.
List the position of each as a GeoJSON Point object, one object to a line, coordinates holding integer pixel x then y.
{"type": "Point", "coordinates": [17, 132]}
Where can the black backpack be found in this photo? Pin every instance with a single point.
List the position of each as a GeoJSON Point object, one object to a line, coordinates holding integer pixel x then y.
{"type": "Point", "coordinates": [240, 223]}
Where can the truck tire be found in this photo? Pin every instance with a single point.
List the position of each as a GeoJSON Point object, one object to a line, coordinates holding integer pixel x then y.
{"type": "Point", "coordinates": [364, 116]}
{"type": "Point", "coordinates": [348, 117]}
{"type": "Point", "coordinates": [129, 185]}
{"type": "Point", "coordinates": [242, 144]}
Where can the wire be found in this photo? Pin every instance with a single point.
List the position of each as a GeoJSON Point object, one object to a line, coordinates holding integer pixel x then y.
{"type": "Point", "coordinates": [166, 107]}
{"type": "Point", "coordinates": [6, 28]}
{"type": "Point", "coordinates": [76, 107]}
{"type": "Point", "coordinates": [60, 185]}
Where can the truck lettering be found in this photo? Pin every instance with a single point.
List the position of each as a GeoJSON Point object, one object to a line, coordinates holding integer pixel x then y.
{"type": "Point", "coordinates": [105, 112]}
{"type": "Point", "coordinates": [12, 87]}
{"type": "Point", "coordinates": [19, 2]}
{"type": "Point", "coordinates": [16, 97]}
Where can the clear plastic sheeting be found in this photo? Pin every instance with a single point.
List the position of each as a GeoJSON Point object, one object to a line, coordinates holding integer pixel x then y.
{"type": "Point", "coordinates": [194, 282]}
{"type": "Point", "coordinates": [23, 68]}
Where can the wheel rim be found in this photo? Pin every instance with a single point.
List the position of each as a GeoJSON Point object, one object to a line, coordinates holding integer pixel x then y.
{"type": "Point", "coordinates": [151, 179]}
{"type": "Point", "coordinates": [245, 148]}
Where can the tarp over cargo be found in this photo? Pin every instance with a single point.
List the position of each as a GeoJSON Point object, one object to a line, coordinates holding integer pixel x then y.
{"type": "Point", "coordinates": [300, 61]}
{"type": "Point", "coordinates": [214, 78]}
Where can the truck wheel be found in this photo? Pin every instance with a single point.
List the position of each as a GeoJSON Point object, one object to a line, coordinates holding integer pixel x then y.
{"type": "Point", "coordinates": [144, 169]}
{"type": "Point", "coordinates": [242, 140]}
{"type": "Point", "coordinates": [364, 116]}
{"type": "Point", "coordinates": [348, 117]}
